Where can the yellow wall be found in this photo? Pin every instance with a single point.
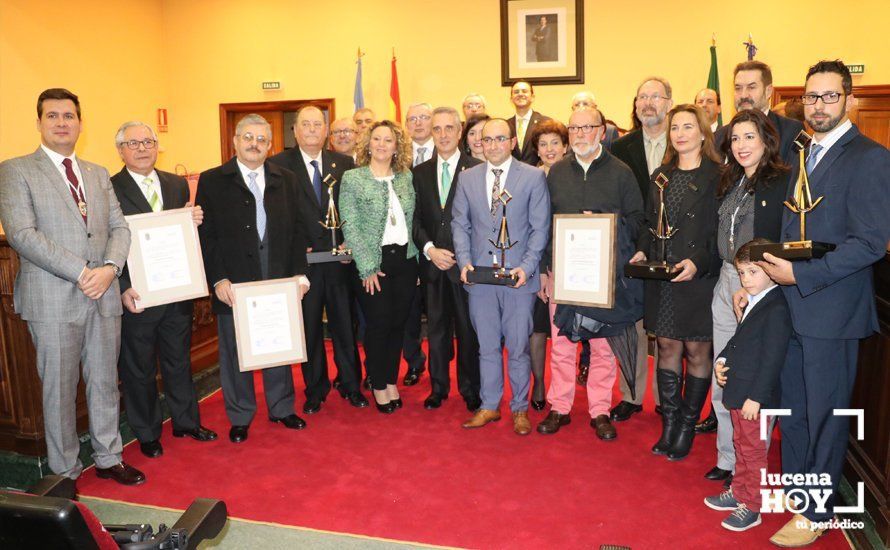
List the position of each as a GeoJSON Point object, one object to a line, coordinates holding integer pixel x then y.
{"type": "Point", "coordinates": [209, 52]}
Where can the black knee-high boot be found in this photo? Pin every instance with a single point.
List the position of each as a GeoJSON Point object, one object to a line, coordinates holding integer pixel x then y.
{"type": "Point", "coordinates": [694, 396]}
{"type": "Point", "coordinates": [669, 393]}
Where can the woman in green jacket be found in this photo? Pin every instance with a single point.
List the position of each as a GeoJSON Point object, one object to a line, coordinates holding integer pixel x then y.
{"type": "Point", "coordinates": [377, 203]}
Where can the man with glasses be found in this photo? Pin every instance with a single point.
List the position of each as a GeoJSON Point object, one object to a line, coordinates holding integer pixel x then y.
{"type": "Point", "coordinates": [331, 281]}
{"type": "Point", "coordinates": [343, 137]}
{"type": "Point", "coordinates": [501, 313]}
{"type": "Point", "coordinates": [591, 180]}
{"type": "Point", "coordinates": [586, 100]}
{"type": "Point", "coordinates": [752, 89]}
{"type": "Point", "coordinates": [643, 150]}
{"type": "Point", "coordinates": [246, 201]}
{"type": "Point", "coordinates": [473, 104]}
{"type": "Point", "coordinates": [160, 334]}
{"type": "Point", "coordinates": [61, 216]}
{"type": "Point", "coordinates": [831, 299]}
{"type": "Point", "coordinates": [522, 124]}
{"type": "Point", "coordinates": [447, 301]}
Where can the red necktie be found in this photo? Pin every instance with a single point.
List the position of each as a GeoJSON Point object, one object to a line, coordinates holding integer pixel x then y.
{"type": "Point", "coordinates": [74, 187]}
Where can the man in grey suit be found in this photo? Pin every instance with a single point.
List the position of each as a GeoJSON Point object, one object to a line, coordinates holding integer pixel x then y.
{"type": "Point", "coordinates": [500, 312]}
{"type": "Point", "coordinates": [61, 215]}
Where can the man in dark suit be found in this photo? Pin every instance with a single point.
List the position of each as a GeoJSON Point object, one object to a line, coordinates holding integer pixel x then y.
{"type": "Point", "coordinates": [643, 150]}
{"type": "Point", "coordinates": [753, 89]}
{"type": "Point", "coordinates": [331, 281]}
{"type": "Point", "coordinates": [708, 100]}
{"type": "Point", "coordinates": [447, 301]}
{"type": "Point", "coordinates": [522, 124]}
{"type": "Point", "coordinates": [162, 332]}
{"type": "Point", "coordinates": [831, 298]}
{"type": "Point", "coordinates": [252, 231]}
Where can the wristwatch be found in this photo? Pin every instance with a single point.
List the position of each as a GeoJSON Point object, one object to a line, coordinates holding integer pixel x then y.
{"type": "Point", "coordinates": [117, 270]}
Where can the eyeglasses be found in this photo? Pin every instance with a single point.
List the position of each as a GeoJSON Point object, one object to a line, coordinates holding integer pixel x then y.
{"type": "Point", "coordinates": [497, 139]}
{"type": "Point", "coordinates": [473, 105]}
{"type": "Point", "coordinates": [827, 98]}
{"type": "Point", "coordinates": [414, 119]}
{"type": "Point", "coordinates": [343, 132]}
{"type": "Point", "coordinates": [134, 143]}
{"type": "Point", "coordinates": [655, 98]}
{"type": "Point", "coordinates": [586, 129]}
{"type": "Point", "coordinates": [248, 137]}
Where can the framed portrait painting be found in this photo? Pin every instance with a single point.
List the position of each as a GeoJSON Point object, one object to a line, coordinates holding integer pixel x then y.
{"type": "Point", "coordinates": [542, 41]}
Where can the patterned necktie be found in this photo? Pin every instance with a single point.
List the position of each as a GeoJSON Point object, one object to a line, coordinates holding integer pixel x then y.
{"type": "Point", "coordinates": [316, 180]}
{"type": "Point", "coordinates": [520, 131]}
{"type": "Point", "coordinates": [421, 155]}
{"type": "Point", "coordinates": [76, 189]}
{"type": "Point", "coordinates": [445, 186]}
{"type": "Point", "coordinates": [153, 199]}
{"type": "Point", "coordinates": [260, 207]}
{"type": "Point", "coordinates": [813, 158]}
{"type": "Point", "coordinates": [496, 190]}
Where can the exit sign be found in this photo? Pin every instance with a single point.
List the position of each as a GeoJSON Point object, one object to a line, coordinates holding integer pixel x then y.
{"type": "Point", "coordinates": [271, 85]}
{"type": "Point", "coordinates": [856, 69]}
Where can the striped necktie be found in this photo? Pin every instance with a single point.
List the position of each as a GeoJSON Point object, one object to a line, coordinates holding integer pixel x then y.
{"type": "Point", "coordinates": [496, 190]}
{"type": "Point", "coordinates": [153, 200]}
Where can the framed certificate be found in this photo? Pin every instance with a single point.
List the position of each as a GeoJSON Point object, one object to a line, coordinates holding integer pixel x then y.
{"type": "Point", "coordinates": [584, 256]}
{"type": "Point", "coordinates": [269, 324]}
{"type": "Point", "coordinates": [165, 262]}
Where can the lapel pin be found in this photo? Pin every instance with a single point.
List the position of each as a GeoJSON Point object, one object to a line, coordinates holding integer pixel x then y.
{"type": "Point", "coordinates": [333, 165]}
{"type": "Point", "coordinates": [762, 203]}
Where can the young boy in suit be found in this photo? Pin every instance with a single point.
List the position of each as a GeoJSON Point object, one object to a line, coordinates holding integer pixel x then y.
{"type": "Point", "coordinates": [748, 368]}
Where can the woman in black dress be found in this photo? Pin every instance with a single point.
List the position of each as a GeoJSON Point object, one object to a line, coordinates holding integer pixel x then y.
{"type": "Point", "coordinates": [679, 311]}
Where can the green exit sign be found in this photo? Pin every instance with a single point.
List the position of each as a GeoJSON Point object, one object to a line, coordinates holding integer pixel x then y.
{"type": "Point", "coordinates": [271, 85]}
{"type": "Point", "coordinates": [856, 69]}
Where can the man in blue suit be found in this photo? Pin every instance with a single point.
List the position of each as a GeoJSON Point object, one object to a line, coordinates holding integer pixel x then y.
{"type": "Point", "coordinates": [500, 312]}
{"type": "Point", "coordinates": [831, 298]}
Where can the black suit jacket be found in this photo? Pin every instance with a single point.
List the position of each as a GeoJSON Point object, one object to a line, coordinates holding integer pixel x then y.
{"type": "Point", "coordinates": [527, 151]}
{"type": "Point", "coordinates": [431, 221]}
{"type": "Point", "coordinates": [756, 353]}
{"type": "Point", "coordinates": [312, 212]}
{"type": "Point", "coordinates": [229, 238]}
{"type": "Point", "coordinates": [630, 150]}
{"type": "Point", "coordinates": [174, 194]}
{"type": "Point", "coordinates": [788, 129]}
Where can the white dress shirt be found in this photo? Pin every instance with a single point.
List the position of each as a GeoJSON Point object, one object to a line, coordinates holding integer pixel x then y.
{"type": "Point", "coordinates": [527, 117]}
{"type": "Point", "coordinates": [713, 126]}
{"type": "Point", "coordinates": [655, 148]}
{"type": "Point", "coordinates": [452, 168]}
{"type": "Point", "coordinates": [260, 172]}
{"type": "Point", "coordinates": [831, 138]}
{"type": "Point", "coordinates": [489, 177]}
{"type": "Point", "coordinates": [57, 159]}
{"type": "Point", "coordinates": [398, 233]}
{"type": "Point", "coordinates": [752, 300]}
{"type": "Point", "coordinates": [309, 169]}
{"type": "Point", "coordinates": [154, 185]}
{"type": "Point", "coordinates": [428, 154]}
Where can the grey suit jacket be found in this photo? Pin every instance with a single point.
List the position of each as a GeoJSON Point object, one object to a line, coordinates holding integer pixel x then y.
{"type": "Point", "coordinates": [528, 221]}
{"type": "Point", "coordinates": [44, 226]}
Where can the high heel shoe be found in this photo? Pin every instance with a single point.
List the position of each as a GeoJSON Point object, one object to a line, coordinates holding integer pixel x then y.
{"type": "Point", "coordinates": [397, 403]}
{"type": "Point", "coordinates": [386, 408]}
{"type": "Point", "coordinates": [538, 405]}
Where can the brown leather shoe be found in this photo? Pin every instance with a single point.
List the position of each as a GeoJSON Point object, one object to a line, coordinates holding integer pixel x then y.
{"type": "Point", "coordinates": [521, 424]}
{"type": "Point", "coordinates": [604, 428]}
{"type": "Point", "coordinates": [553, 422]}
{"type": "Point", "coordinates": [481, 418]}
{"type": "Point", "coordinates": [123, 473]}
{"type": "Point", "coordinates": [796, 533]}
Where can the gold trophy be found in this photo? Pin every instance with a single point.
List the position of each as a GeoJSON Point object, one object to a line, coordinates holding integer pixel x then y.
{"type": "Point", "coordinates": [800, 203]}
{"type": "Point", "coordinates": [332, 223]}
{"type": "Point", "coordinates": [498, 274]}
{"type": "Point", "coordinates": [660, 268]}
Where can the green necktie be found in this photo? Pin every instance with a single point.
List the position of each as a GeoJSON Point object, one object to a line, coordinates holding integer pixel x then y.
{"type": "Point", "coordinates": [445, 186]}
{"type": "Point", "coordinates": [153, 199]}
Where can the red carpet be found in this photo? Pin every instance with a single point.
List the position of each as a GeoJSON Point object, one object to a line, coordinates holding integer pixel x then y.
{"type": "Point", "coordinates": [417, 476]}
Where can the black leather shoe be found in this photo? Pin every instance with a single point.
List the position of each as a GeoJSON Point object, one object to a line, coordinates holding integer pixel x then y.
{"type": "Point", "coordinates": [538, 405]}
{"type": "Point", "coordinates": [412, 377]}
{"type": "Point", "coordinates": [397, 403]}
{"type": "Point", "coordinates": [434, 401]}
{"type": "Point", "coordinates": [151, 449]}
{"type": "Point", "coordinates": [386, 408]}
{"type": "Point", "coordinates": [717, 474]}
{"type": "Point", "coordinates": [624, 410]}
{"type": "Point", "coordinates": [357, 400]}
{"type": "Point", "coordinates": [238, 434]}
{"type": "Point", "coordinates": [123, 473]}
{"type": "Point", "coordinates": [312, 406]}
{"type": "Point", "coordinates": [291, 421]}
{"type": "Point", "coordinates": [706, 426]}
{"type": "Point", "coordinates": [473, 404]}
{"type": "Point", "coordinates": [198, 434]}
{"type": "Point", "coordinates": [727, 483]}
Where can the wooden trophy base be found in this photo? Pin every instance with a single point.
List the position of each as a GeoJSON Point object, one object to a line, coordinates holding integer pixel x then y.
{"type": "Point", "coordinates": [329, 256]}
{"type": "Point", "coordinates": [650, 270]}
{"type": "Point", "coordinates": [794, 250]}
{"type": "Point", "coordinates": [491, 276]}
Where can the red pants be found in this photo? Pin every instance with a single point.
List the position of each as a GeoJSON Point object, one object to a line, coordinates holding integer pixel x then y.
{"type": "Point", "coordinates": [750, 458]}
